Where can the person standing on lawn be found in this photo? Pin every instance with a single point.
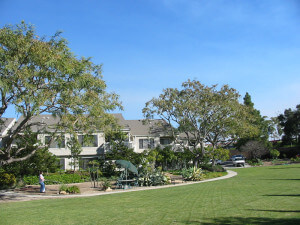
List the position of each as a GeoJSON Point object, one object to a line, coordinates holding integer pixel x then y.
{"type": "Point", "coordinates": [41, 181]}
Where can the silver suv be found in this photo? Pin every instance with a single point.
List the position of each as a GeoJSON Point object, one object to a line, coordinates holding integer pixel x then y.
{"type": "Point", "coordinates": [238, 160]}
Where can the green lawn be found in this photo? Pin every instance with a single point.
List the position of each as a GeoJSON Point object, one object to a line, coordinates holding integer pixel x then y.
{"type": "Point", "coordinates": [262, 195]}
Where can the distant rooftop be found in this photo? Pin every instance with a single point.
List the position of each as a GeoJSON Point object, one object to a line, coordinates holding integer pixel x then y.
{"type": "Point", "coordinates": [155, 127]}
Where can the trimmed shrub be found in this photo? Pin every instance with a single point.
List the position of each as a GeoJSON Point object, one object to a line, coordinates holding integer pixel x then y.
{"type": "Point", "coordinates": [216, 168]}
{"type": "Point", "coordinates": [296, 159]}
{"type": "Point", "coordinates": [73, 190]}
{"type": "Point", "coordinates": [255, 162]}
{"type": "Point", "coordinates": [274, 153]}
{"type": "Point", "coordinates": [63, 188]}
{"type": "Point", "coordinates": [7, 180]}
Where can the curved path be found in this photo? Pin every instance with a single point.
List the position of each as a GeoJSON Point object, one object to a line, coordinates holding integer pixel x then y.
{"type": "Point", "coordinates": [6, 196]}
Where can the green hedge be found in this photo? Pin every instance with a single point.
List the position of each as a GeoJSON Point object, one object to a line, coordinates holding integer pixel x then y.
{"type": "Point", "coordinates": [58, 179]}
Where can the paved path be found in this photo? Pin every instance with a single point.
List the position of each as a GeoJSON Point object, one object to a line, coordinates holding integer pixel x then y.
{"type": "Point", "coordinates": [7, 196]}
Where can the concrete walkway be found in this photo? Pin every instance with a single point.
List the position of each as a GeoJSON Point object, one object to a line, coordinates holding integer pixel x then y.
{"type": "Point", "coordinates": [8, 196]}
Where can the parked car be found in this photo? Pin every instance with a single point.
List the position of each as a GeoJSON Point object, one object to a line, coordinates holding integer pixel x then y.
{"type": "Point", "coordinates": [217, 162]}
{"type": "Point", "coordinates": [237, 156]}
{"type": "Point", "coordinates": [238, 160]}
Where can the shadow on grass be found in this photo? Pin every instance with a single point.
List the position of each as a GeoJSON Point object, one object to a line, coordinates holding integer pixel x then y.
{"type": "Point", "coordinates": [284, 168]}
{"type": "Point", "coordinates": [245, 220]}
{"type": "Point", "coordinates": [4, 197]}
{"type": "Point", "coordinates": [283, 195]}
{"type": "Point", "coordinates": [271, 210]}
{"type": "Point", "coordinates": [280, 179]}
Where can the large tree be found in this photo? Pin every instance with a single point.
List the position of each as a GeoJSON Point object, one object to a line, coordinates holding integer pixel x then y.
{"type": "Point", "coordinates": [257, 120]}
{"type": "Point", "coordinates": [290, 121]}
{"type": "Point", "coordinates": [201, 114]}
{"type": "Point", "coordinates": [42, 76]}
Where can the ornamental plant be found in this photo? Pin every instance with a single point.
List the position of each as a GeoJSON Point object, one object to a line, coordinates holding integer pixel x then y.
{"type": "Point", "coordinates": [152, 177]}
{"type": "Point", "coordinates": [106, 184]}
{"type": "Point", "coordinates": [193, 174]}
{"type": "Point", "coordinates": [274, 153]}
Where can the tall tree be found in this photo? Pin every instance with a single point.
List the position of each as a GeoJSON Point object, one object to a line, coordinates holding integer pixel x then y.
{"type": "Point", "coordinates": [200, 114]}
{"type": "Point", "coordinates": [39, 76]}
{"type": "Point", "coordinates": [257, 120]}
{"type": "Point", "coordinates": [247, 101]}
{"type": "Point", "coordinates": [290, 121]}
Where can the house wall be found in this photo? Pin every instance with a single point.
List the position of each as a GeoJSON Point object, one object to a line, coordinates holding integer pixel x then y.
{"type": "Point", "coordinates": [136, 140]}
{"type": "Point", "coordinates": [5, 131]}
{"type": "Point", "coordinates": [63, 153]}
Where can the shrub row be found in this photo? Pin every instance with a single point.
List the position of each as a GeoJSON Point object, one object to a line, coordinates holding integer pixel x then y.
{"type": "Point", "coordinates": [58, 179]}
{"type": "Point", "coordinates": [215, 168]}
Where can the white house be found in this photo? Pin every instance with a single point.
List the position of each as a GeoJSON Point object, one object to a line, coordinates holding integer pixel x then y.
{"type": "Point", "coordinates": [5, 125]}
{"type": "Point", "coordinates": [141, 136]}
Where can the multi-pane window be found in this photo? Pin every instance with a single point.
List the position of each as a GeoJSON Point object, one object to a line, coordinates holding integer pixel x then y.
{"type": "Point", "coordinates": [165, 141]}
{"type": "Point", "coordinates": [146, 143]}
{"type": "Point", "coordinates": [57, 142]}
{"type": "Point", "coordinates": [88, 140]}
{"type": "Point", "coordinates": [62, 164]}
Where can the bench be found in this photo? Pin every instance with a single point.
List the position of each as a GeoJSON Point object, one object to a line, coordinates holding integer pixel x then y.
{"type": "Point", "coordinates": [176, 178]}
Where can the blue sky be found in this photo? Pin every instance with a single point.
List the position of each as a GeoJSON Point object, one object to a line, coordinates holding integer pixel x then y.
{"type": "Point", "coordinates": [148, 45]}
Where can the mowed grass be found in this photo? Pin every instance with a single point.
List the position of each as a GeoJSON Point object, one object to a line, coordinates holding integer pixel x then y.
{"type": "Point", "coordinates": [261, 195]}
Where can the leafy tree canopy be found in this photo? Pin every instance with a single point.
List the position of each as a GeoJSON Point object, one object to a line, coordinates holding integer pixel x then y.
{"type": "Point", "coordinates": [119, 149]}
{"type": "Point", "coordinates": [42, 76]}
{"type": "Point", "coordinates": [201, 114]}
{"type": "Point", "coordinates": [260, 122]}
{"type": "Point", "coordinates": [290, 121]}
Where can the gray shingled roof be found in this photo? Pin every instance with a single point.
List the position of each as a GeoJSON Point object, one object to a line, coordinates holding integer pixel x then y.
{"type": "Point", "coordinates": [43, 121]}
{"type": "Point", "coordinates": [40, 122]}
{"type": "Point", "coordinates": [140, 128]}
{"type": "Point", "coordinates": [5, 122]}
{"type": "Point", "coordinates": [136, 127]}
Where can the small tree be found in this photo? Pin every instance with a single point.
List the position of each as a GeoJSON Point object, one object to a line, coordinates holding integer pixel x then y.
{"type": "Point", "coordinates": [75, 148]}
{"type": "Point", "coordinates": [94, 171]}
{"type": "Point", "coordinates": [256, 149]}
{"type": "Point", "coordinates": [274, 153]}
{"type": "Point", "coordinates": [217, 153]}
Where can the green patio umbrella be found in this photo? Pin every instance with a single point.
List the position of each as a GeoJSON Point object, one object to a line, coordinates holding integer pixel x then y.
{"type": "Point", "coordinates": [127, 165]}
